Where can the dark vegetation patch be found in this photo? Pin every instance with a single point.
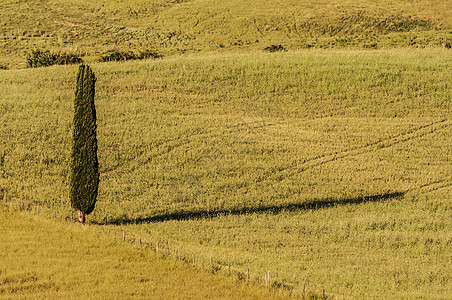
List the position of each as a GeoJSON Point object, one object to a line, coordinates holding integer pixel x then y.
{"type": "Point", "coordinates": [43, 58]}
{"type": "Point", "coordinates": [116, 55]}
{"type": "Point", "coordinates": [275, 48]}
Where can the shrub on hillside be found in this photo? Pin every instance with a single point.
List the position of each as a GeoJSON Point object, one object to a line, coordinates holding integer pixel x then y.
{"type": "Point", "coordinates": [68, 59]}
{"type": "Point", "coordinates": [275, 48]}
{"type": "Point", "coordinates": [43, 58]}
{"type": "Point", "coordinates": [116, 55]}
{"type": "Point", "coordinates": [146, 54]}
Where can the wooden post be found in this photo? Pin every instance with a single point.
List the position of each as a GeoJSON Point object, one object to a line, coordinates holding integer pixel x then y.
{"type": "Point", "coordinates": [229, 269]}
{"type": "Point", "coordinates": [194, 261]}
{"type": "Point", "coordinates": [54, 216]}
{"type": "Point", "coordinates": [123, 236]}
{"type": "Point", "coordinates": [248, 273]}
{"type": "Point", "coordinates": [268, 278]}
{"type": "Point", "coordinates": [157, 247]}
{"type": "Point", "coordinates": [304, 291]}
{"type": "Point", "coordinates": [211, 265]}
{"type": "Point", "coordinates": [22, 206]}
{"type": "Point", "coordinates": [38, 209]}
{"type": "Point", "coordinates": [5, 196]}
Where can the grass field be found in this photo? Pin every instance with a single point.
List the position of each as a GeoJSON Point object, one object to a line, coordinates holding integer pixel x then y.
{"type": "Point", "coordinates": [330, 169]}
{"type": "Point", "coordinates": [327, 166]}
{"type": "Point", "coordinates": [43, 259]}
{"type": "Point", "coordinates": [177, 27]}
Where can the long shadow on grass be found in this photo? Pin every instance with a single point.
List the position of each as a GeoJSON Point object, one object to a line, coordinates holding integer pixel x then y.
{"type": "Point", "coordinates": [205, 214]}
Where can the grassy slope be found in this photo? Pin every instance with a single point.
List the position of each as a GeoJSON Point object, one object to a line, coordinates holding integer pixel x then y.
{"type": "Point", "coordinates": [335, 161]}
{"type": "Point", "coordinates": [236, 137]}
{"type": "Point", "coordinates": [214, 25]}
{"type": "Point", "coordinates": [41, 259]}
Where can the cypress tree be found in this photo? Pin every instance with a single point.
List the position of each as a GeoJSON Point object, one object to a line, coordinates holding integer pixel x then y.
{"type": "Point", "coordinates": [84, 167]}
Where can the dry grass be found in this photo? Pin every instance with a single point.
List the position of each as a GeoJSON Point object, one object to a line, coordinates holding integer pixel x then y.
{"type": "Point", "coordinates": [176, 27]}
{"type": "Point", "coordinates": [327, 168]}
{"type": "Point", "coordinates": [42, 259]}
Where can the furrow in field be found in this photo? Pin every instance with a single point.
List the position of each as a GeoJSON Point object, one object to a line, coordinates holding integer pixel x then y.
{"type": "Point", "coordinates": [432, 186]}
{"type": "Point", "coordinates": [412, 134]}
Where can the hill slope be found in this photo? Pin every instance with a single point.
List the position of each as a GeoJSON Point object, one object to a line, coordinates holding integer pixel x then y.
{"type": "Point", "coordinates": [41, 259]}
{"type": "Point", "coordinates": [171, 27]}
{"type": "Point", "coordinates": [314, 165]}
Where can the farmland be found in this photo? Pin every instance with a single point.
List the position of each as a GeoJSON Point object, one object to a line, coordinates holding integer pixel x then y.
{"type": "Point", "coordinates": [44, 259]}
{"type": "Point", "coordinates": [278, 162]}
{"type": "Point", "coordinates": [326, 166]}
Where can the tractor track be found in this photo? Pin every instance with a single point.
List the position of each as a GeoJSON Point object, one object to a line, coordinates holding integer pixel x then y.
{"type": "Point", "coordinates": [409, 135]}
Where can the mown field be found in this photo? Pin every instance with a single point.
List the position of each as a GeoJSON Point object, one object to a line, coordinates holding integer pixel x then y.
{"type": "Point", "coordinates": [329, 169]}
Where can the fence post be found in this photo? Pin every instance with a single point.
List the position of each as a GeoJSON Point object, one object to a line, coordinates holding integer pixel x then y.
{"type": "Point", "coordinates": [268, 278]}
{"type": "Point", "coordinates": [248, 273]}
{"type": "Point", "coordinates": [123, 236]}
{"type": "Point", "coordinates": [5, 196]}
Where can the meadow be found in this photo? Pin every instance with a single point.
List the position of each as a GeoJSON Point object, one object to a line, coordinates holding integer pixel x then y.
{"type": "Point", "coordinates": [47, 259]}
{"type": "Point", "coordinates": [174, 27]}
{"type": "Point", "coordinates": [322, 170]}
{"type": "Point", "coordinates": [330, 170]}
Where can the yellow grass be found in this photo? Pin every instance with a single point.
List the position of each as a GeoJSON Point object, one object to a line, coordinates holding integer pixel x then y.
{"type": "Point", "coordinates": [41, 259]}
{"type": "Point", "coordinates": [329, 169]}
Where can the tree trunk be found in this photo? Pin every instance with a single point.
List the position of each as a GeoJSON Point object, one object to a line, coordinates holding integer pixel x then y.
{"type": "Point", "coordinates": [81, 216]}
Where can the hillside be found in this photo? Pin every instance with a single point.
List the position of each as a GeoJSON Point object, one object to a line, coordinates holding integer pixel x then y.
{"type": "Point", "coordinates": [329, 169]}
{"type": "Point", "coordinates": [176, 27]}
{"type": "Point", "coordinates": [41, 259]}
{"type": "Point", "coordinates": [309, 141]}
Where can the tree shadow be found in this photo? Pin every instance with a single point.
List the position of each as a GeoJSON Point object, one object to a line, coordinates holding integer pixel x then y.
{"type": "Point", "coordinates": [273, 209]}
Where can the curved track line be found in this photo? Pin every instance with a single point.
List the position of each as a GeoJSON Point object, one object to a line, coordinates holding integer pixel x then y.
{"type": "Point", "coordinates": [377, 145]}
{"type": "Point", "coordinates": [432, 186]}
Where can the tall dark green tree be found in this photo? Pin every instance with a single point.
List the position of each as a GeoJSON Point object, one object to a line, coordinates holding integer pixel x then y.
{"type": "Point", "coordinates": [84, 166]}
